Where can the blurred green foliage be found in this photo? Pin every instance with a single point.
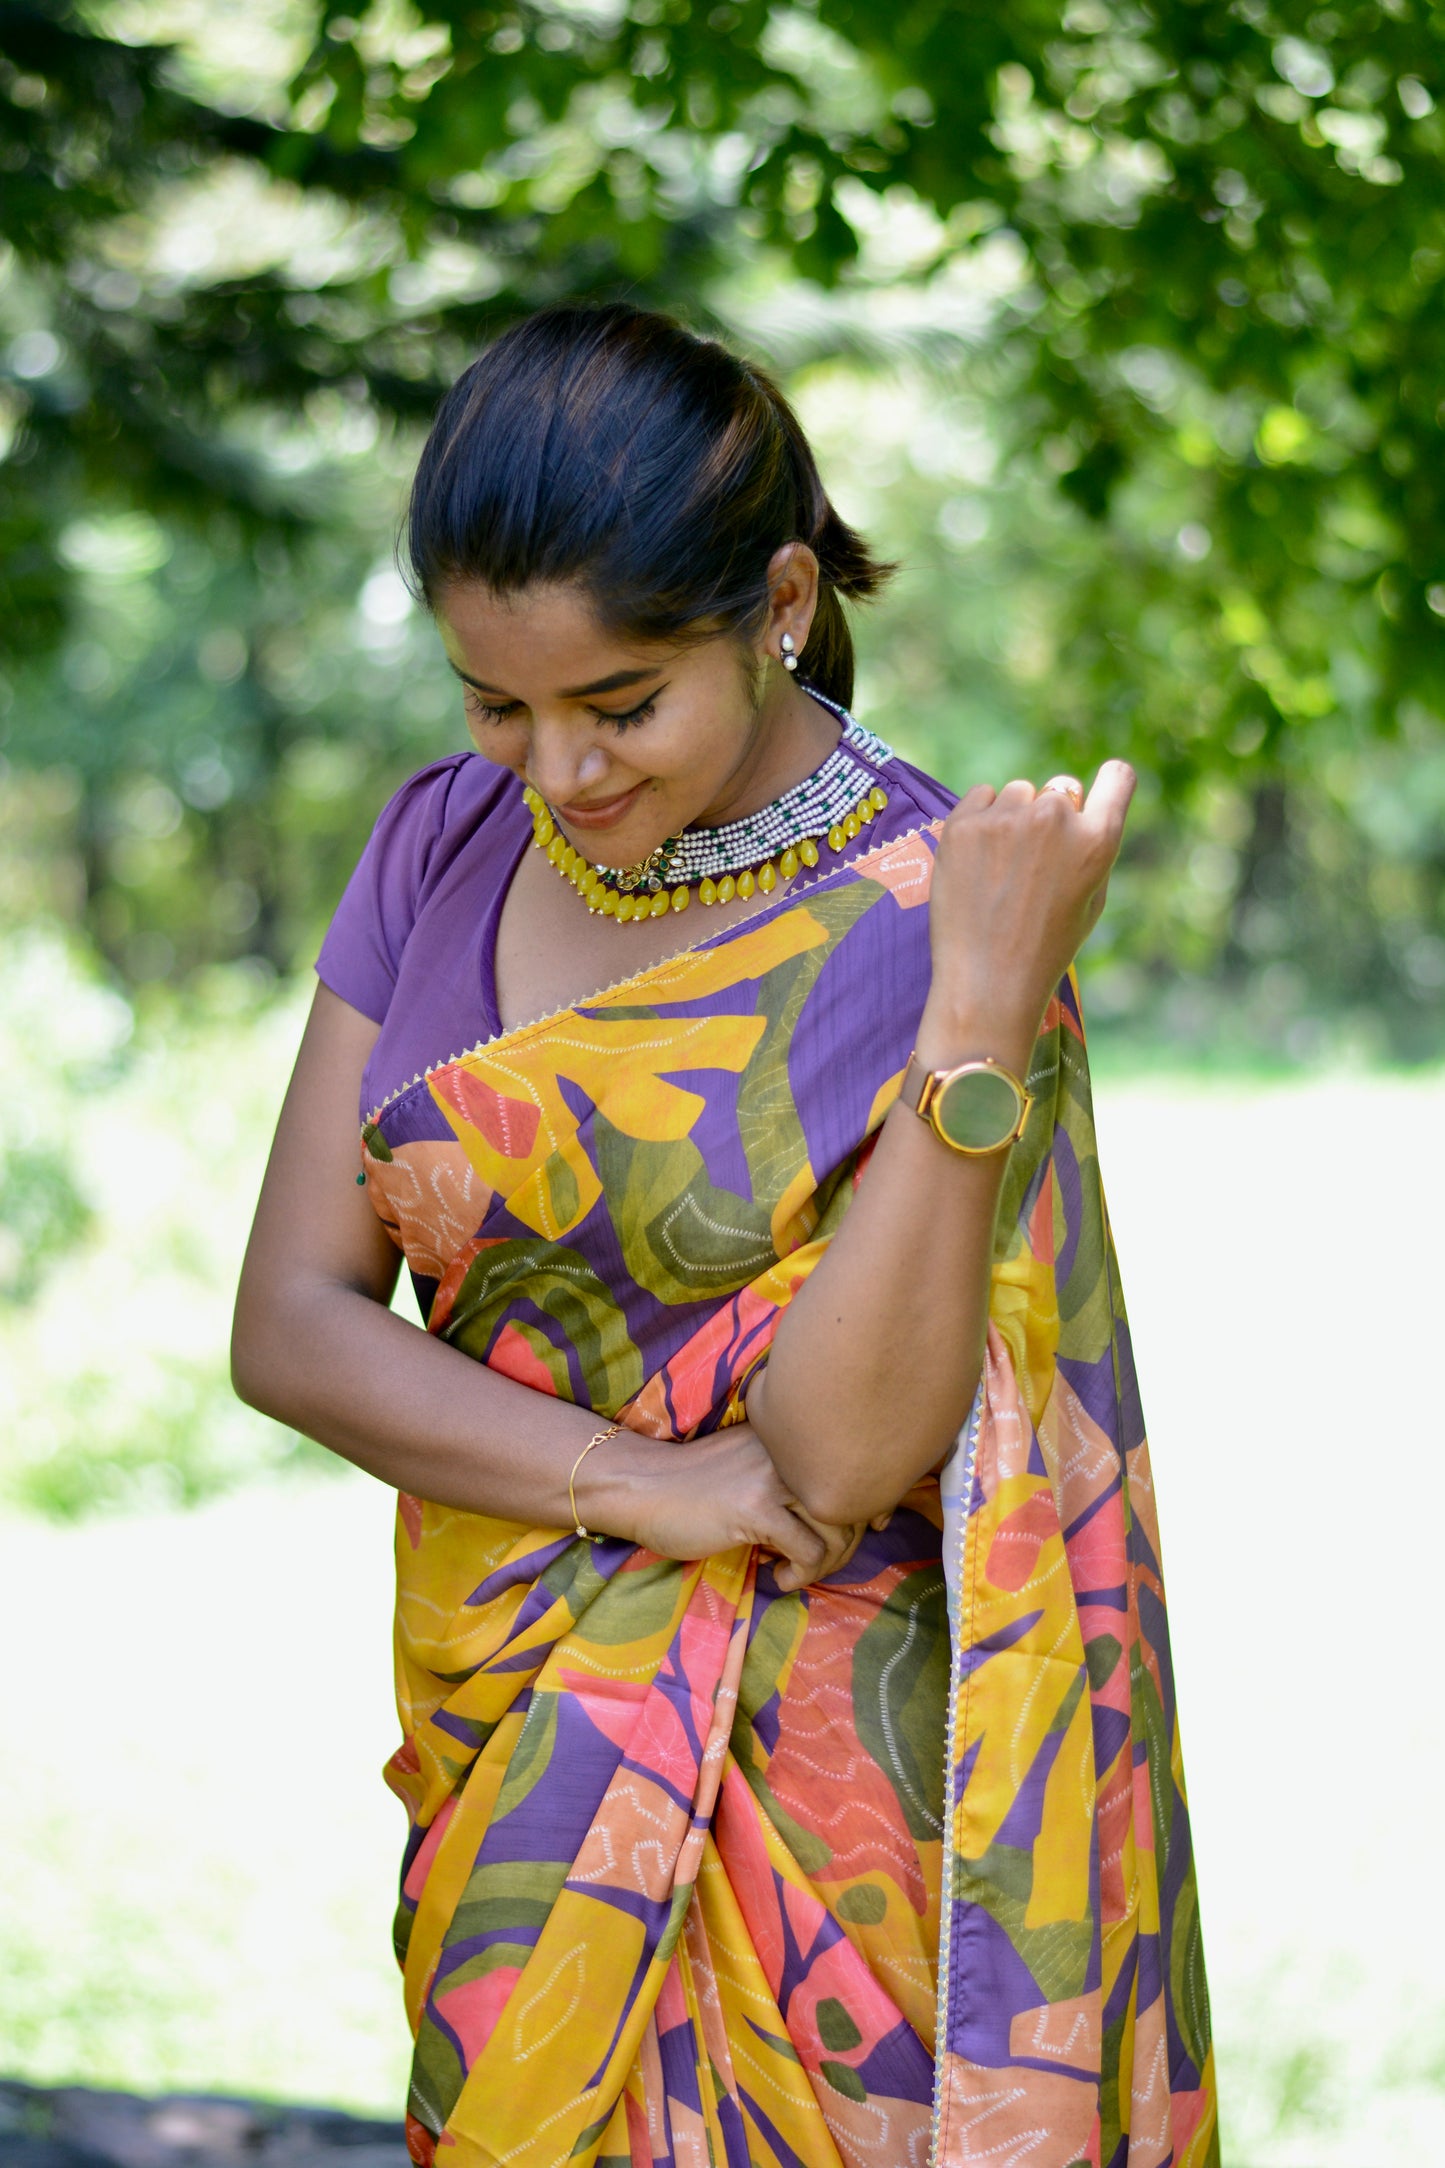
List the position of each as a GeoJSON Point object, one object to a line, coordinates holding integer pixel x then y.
{"type": "Point", "coordinates": [42, 1215]}
{"type": "Point", "coordinates": [127, 1178]}
{"type": "Point", "coordinates": [1123, 324]}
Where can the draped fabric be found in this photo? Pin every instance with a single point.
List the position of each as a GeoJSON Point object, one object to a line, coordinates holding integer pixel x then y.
{"type": "Point", "coordinates": [894, 1870]}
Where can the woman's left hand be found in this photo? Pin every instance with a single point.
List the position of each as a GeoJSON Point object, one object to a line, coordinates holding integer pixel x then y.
{"type": "Point", "coordinates": [842, 1541]}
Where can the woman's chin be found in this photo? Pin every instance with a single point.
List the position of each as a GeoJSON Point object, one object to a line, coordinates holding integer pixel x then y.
{"type": "Point", "coordinates": [619, 843]}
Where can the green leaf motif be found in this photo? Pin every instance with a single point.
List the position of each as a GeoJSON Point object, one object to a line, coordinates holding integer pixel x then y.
{"type": "Point", "coordinates": [530, 1755]}
{"type": "Point", "coordinates": [507, 1894]}
{"type": "Point", "coordinates": [1102, 1656]}
{"type": "Point", "coordinates": [557, 1281]}
{"type": "Point", "coordinates": [836, 2028]}
{"type": "Point", "coordinates": [1187, 1979]}
{"type": "Point", "coordinates": [682, 1237]}
{"type": "Point", "coordinates": [1146, 1715]}
{"type": "Point", "coordinates": [809, 1847]}
{"type": "Point", "coordinates": [587, 2138]}
{"type": "Point", "coordinates": [633, 1606]}
{"type": "Point", "coordinates": [865, 1904]}
{"type": "Point", "coordinates": [774, 1639]}
{"type": "Point", "coordinates": [900, 1696]}
{"type": "Point", "coordinates": [562, 1189]}
{"type": "Point", "coordinates": [768, 1122]}
{"type": "Point", "coordinates": [1001, 1880]}
{"type": "Point", "coordinates": [844, 2080]}
{"type": "Point", "coordinates": [778, 2042]}
{"type": "Point", "coordinates": [437, 2074]}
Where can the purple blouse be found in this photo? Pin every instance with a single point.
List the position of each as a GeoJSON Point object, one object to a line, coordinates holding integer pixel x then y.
{"type": "Point", "coordinates": [413, 942]}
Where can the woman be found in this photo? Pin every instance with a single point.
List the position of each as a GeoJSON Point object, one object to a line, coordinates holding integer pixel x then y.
{"type": "Point", "coordinates": [776, 1799]}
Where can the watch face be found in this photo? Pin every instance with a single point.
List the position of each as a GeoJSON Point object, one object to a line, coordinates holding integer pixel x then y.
{"type": "Point", "coordinates": [977, 1111]}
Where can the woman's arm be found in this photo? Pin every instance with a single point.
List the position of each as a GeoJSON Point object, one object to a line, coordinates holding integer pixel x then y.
{"type": "Point", "coordinates": [877, 1357]}
{"type": "Point", "coordinates": [315, 1345]}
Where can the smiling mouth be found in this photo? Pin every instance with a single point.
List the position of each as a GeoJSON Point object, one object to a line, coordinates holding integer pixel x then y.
{"type": "Point", "coordinates": [601, 812]}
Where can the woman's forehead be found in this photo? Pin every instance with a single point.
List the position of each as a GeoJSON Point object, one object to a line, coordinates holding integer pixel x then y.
{"type": "Point", "coordinates": [546, 634]}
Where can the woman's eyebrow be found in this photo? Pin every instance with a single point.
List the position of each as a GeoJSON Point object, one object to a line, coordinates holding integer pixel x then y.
{"type": "Point", "coordinates": [619, 681]}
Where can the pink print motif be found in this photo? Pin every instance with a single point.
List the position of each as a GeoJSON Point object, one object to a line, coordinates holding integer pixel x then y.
{"type": "Point", "coordinates": [508, 1125]}
{"type": "Point", "coordinates": [474, 2008]}
{"type": "Point", "coordinates": [1019, 1539]}
{"type": "Point", "coordinates": [614, 1706]}
{"type": "Point", "coordinates": [513, 1355]}
{"type": "Point", "coordinates": [420, 1867]}
{"type": "Point", "coordinates": [905, 868]}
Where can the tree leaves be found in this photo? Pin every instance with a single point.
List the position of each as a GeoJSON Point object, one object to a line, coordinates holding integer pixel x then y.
{"type": "Point", "coordinates": [1222, 341]}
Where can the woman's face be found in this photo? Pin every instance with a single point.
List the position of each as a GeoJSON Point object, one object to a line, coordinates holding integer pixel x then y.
{"type": "Point", "coordinates": [627, 742]}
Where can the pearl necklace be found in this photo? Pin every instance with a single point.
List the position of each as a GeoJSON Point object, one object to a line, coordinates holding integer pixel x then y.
{"type": "Point", "coordinates": [757, 853]}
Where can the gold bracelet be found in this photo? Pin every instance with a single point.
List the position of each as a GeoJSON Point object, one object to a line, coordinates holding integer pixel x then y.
{"type": "Point", "coordinates": [600, 1439]}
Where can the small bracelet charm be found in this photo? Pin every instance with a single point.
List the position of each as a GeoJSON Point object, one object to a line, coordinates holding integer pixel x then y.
{"type": "Point", "coordinates": [601, 1438]}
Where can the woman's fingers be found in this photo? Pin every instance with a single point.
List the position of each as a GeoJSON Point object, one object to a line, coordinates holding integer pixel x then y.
{"type": "Point", "coordinates": [802, 1550]}
{"type": "Point", "coordinates": [837, 1546]}
{"type": "Point", "coordinates": [1107, 804]}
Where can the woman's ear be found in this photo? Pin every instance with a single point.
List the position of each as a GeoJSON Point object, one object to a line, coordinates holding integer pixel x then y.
{"type": "Point", "coordinates": [792, 599]}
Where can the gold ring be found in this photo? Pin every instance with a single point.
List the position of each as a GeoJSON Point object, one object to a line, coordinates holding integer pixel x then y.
{"type": "Point", "coordinates": [1068, 787]}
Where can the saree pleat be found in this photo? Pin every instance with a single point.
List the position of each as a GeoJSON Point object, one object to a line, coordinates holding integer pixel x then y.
{"type": "Point", "coordinates": [889, 1871]}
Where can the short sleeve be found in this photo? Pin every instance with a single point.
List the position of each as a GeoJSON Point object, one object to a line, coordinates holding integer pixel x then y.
{"type": "Point", "coordinates": [361, 954]}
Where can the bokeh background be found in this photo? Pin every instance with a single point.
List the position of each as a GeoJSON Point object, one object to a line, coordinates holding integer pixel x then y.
{"type": "Point", "coordinates": [1120, 324]}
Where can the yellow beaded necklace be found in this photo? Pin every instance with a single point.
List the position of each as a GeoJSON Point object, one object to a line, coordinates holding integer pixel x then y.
{"type": "Point", "coordinates": [642, 891]}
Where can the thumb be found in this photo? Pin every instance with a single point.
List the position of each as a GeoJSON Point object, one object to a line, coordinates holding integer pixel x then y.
{"type": "Point", "coordinates": [801, 1548]}
{"type": "Point", "coordinates": [1107, 804]}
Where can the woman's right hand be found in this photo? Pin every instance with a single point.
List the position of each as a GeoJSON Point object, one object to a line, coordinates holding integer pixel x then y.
{"type": "Point", "coordinates": [689, 1501]}
{"type": "Point", "coordinates": [1018, 885]}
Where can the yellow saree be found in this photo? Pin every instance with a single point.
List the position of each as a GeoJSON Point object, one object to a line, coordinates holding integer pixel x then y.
{"type": "Point", "coordinates": [895, 1870]}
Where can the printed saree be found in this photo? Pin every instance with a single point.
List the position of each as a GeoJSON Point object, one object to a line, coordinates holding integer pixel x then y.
{"type": "Point", "coordinates": [891, 1872]}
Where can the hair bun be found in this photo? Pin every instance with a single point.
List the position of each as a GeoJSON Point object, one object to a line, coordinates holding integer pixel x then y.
{"type": "Point", "coordinates": [844, 558]}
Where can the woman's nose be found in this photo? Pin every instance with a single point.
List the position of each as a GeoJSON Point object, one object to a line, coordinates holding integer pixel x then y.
{"type": "Point", "coordinates": [561, 768]}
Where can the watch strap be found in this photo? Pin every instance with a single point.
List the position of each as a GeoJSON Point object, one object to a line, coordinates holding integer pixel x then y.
{"type": "Point", "coordinates": [917, 1087]}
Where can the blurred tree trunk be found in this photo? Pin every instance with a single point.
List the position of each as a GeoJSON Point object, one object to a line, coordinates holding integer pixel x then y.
{"type": "Point", "coordinates": [1263, 881]}
{"type": "Point", "coordinates": [258, 853]}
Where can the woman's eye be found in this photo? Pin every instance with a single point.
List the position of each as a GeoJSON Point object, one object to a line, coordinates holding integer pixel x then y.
{"type": "Point", "coordinates": [486, 712]}
{"type": "Point", "coordinates": [492, 711]}
{"type": "Point", "coordinates": [634, 715]}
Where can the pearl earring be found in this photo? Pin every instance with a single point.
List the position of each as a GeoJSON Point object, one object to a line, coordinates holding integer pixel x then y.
{"type": "Point", "coordinates": [790, 660]}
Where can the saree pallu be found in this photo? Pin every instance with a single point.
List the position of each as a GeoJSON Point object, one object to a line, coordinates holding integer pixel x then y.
{"type": "Point", "coordinates": [889, 1872]}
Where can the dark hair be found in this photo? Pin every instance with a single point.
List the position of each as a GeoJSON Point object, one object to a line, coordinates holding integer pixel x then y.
{"type": "Point", "coordinates": [613, 447]}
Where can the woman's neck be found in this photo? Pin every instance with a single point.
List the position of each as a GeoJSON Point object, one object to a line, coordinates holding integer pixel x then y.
{"type": "Point", "coordinates": [794, 736]}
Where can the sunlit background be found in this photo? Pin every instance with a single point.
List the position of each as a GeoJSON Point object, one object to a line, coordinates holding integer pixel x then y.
{"type": "Point", "coordinates": [1123, 329]}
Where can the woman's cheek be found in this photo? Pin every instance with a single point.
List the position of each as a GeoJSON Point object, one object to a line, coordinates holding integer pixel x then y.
{"type": "Point", "coordinates": [495, 742]}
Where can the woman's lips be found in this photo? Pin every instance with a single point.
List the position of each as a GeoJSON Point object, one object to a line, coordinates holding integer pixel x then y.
{"type": "Point", "coordinates": [602, 812]}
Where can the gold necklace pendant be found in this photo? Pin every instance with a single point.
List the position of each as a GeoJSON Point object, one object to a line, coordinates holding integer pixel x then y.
{"type": "Point", "coordinates": [649, 873]}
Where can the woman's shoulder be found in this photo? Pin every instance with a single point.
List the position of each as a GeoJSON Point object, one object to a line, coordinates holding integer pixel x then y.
{"type": "Point", "coordinates": [920, 792]}
{"type": "Point", "coordinates": [914, 798]}
{"type": "Point", "coordinates": [431, 822]}
{"type": "Point", "coordinates": [433, 833]}
{"type": "Point", "coordinates": [447, 797]}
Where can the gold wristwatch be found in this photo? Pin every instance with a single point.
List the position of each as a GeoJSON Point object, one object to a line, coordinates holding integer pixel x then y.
{"type": "Point", "coordinates": [977, 1108]}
